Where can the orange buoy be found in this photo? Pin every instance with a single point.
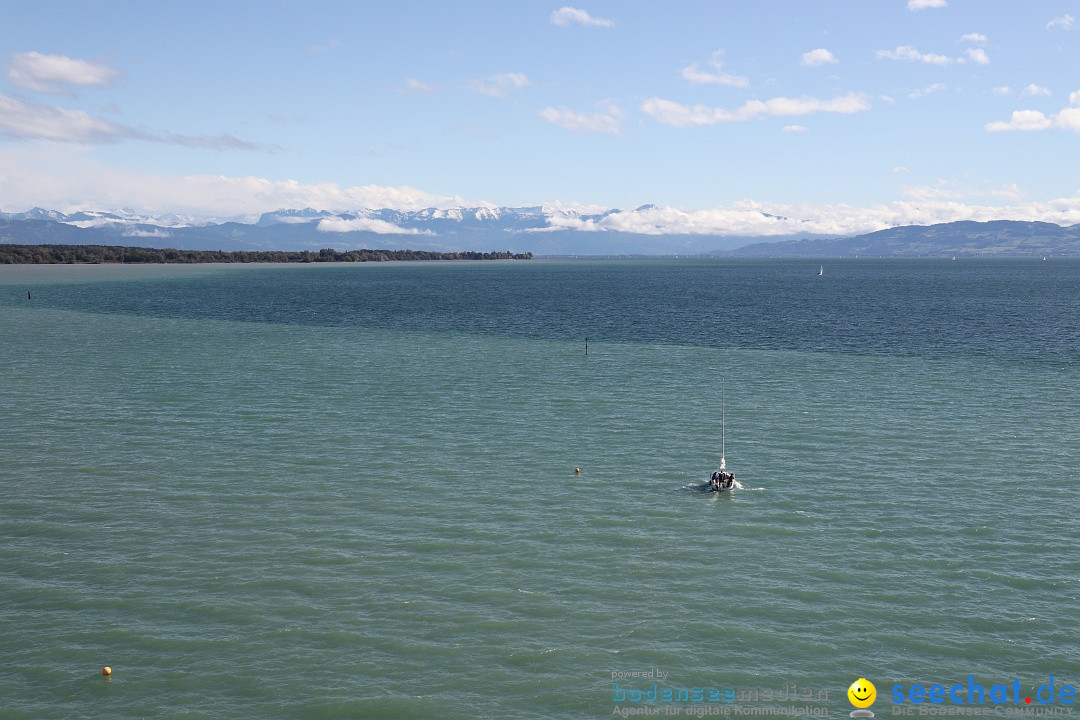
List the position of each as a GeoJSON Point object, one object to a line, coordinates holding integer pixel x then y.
{"type": "Point", "coordinates": [106, 670]}
{"type": "Point", "coordinates": [577, 471]}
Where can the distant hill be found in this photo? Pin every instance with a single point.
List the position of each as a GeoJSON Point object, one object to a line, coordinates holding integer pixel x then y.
{"type": "Point", "coordinates": [998, 238]}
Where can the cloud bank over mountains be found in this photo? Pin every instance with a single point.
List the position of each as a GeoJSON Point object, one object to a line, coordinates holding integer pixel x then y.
{"type": "Point", "coordinates": [538, 230]}
{"type": "Point", "coordinates": [201, 198]}
{"type": "Point", "coordinates": [409, 211]}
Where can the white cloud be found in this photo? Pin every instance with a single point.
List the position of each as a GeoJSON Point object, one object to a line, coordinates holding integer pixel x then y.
{"type": "Point", "coordinates": [136, 232]}
{"type": "Point", "coordinates": [416, 87]}
{"type": "Point", "coordinates": [326, 46]}
{"type": "Point", "coordinates": [47, 122]}
{"type": "Point", "coordinates": [912, 54]}
{"type": "Point", "coordinates": [669, 112]}
{"type": "Point", "coordinates": [924, 4]}
{"type": "Point", "coordinates": [364, 224]}
{"type": "Point", "coordinates": [693, 73]}
{"type": "Point", "coordinates": [817, 57]}
{"type": "Point", "coordinates": [1031, 120]}
{"type": "Point", "coordinates": [1074, 98]}
{"type": "Point", "coordinates": [1002, 91]}
{"type": "Point", "coordinates": [899, 169]}
{"type": "Point", "coordinates": [795, 128]}
{"type": "Point", "coordinates": [928, 90]}
{"type": "Point", "coordinates": [1022, 120]}
{"type": "Point", "coordinates": [696, 75]}
{"type": "Point", "coordinates": [675, 114]}
{"type": "Point", "coordinates": [607, 120]}
{"type": "Point", "coordinates": [1068, 119]}
{"type": "Point", "coordinates": [499, 85]}
{"type": "Point", "coordinates": [907, 52]}
{"type": "Point", "coordinates": [843, 104]}
{"type": "Point", "coordinates": [1065, 22]}
{"type": "Point", "coordinates": [56, 74]}
{"type": "Point", "coordinates": [566, 15]}
{"type": "Point", "coordinates": [1034, 90]}
{"type": "Point", "coordinates": [974, 38]}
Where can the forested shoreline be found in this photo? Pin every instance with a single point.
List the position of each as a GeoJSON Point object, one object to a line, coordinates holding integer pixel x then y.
{"type": "Point", "coordinates": [70, 254]}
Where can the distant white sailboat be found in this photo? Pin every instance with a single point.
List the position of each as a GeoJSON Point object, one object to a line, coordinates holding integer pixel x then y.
{"type": "Point", "coordinates": [821, 270]}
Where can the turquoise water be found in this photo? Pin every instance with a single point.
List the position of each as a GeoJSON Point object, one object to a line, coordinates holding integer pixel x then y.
{"type": "Point", "coordinates": [325, 492]}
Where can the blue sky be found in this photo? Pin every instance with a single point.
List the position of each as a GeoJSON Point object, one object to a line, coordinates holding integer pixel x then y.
{"type": "Point", "coordinates": [840, 116]}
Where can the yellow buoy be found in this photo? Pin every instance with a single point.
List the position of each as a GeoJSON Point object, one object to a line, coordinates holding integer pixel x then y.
{"type": "Point", "coordinates": [577, 471]}
{"type": "Point", "coordinates": [106, 670]}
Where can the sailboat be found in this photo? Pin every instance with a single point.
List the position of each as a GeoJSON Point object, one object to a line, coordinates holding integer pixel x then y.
{"type": "Point", "coordinates": [821, 270]}
{"type": "Point", "coordinates": [722, 479]}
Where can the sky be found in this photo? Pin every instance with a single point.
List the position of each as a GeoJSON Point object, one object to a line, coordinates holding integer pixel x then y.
{"type": "Point", "coordinates": [759, 117]}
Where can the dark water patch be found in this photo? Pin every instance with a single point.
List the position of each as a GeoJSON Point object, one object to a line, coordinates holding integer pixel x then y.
{"type": "Point", "coordinates": [1009, 310]}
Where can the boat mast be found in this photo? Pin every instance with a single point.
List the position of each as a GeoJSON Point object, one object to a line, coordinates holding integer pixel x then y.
{"type": "Point", "coordinates": [723, 393]}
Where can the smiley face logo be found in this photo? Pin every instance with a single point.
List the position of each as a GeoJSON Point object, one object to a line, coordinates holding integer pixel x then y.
{"type": "Point", "coordinates": [862, 693]}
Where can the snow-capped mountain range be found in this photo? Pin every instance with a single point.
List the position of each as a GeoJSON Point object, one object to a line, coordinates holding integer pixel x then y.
{"type": "Point", "coordinates": [97, 218]}
{"type": "Point", "coordinates": [539, 229]}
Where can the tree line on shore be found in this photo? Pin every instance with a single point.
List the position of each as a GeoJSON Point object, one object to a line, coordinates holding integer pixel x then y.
{"type": "Point", "coordinates": [68, 254]}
